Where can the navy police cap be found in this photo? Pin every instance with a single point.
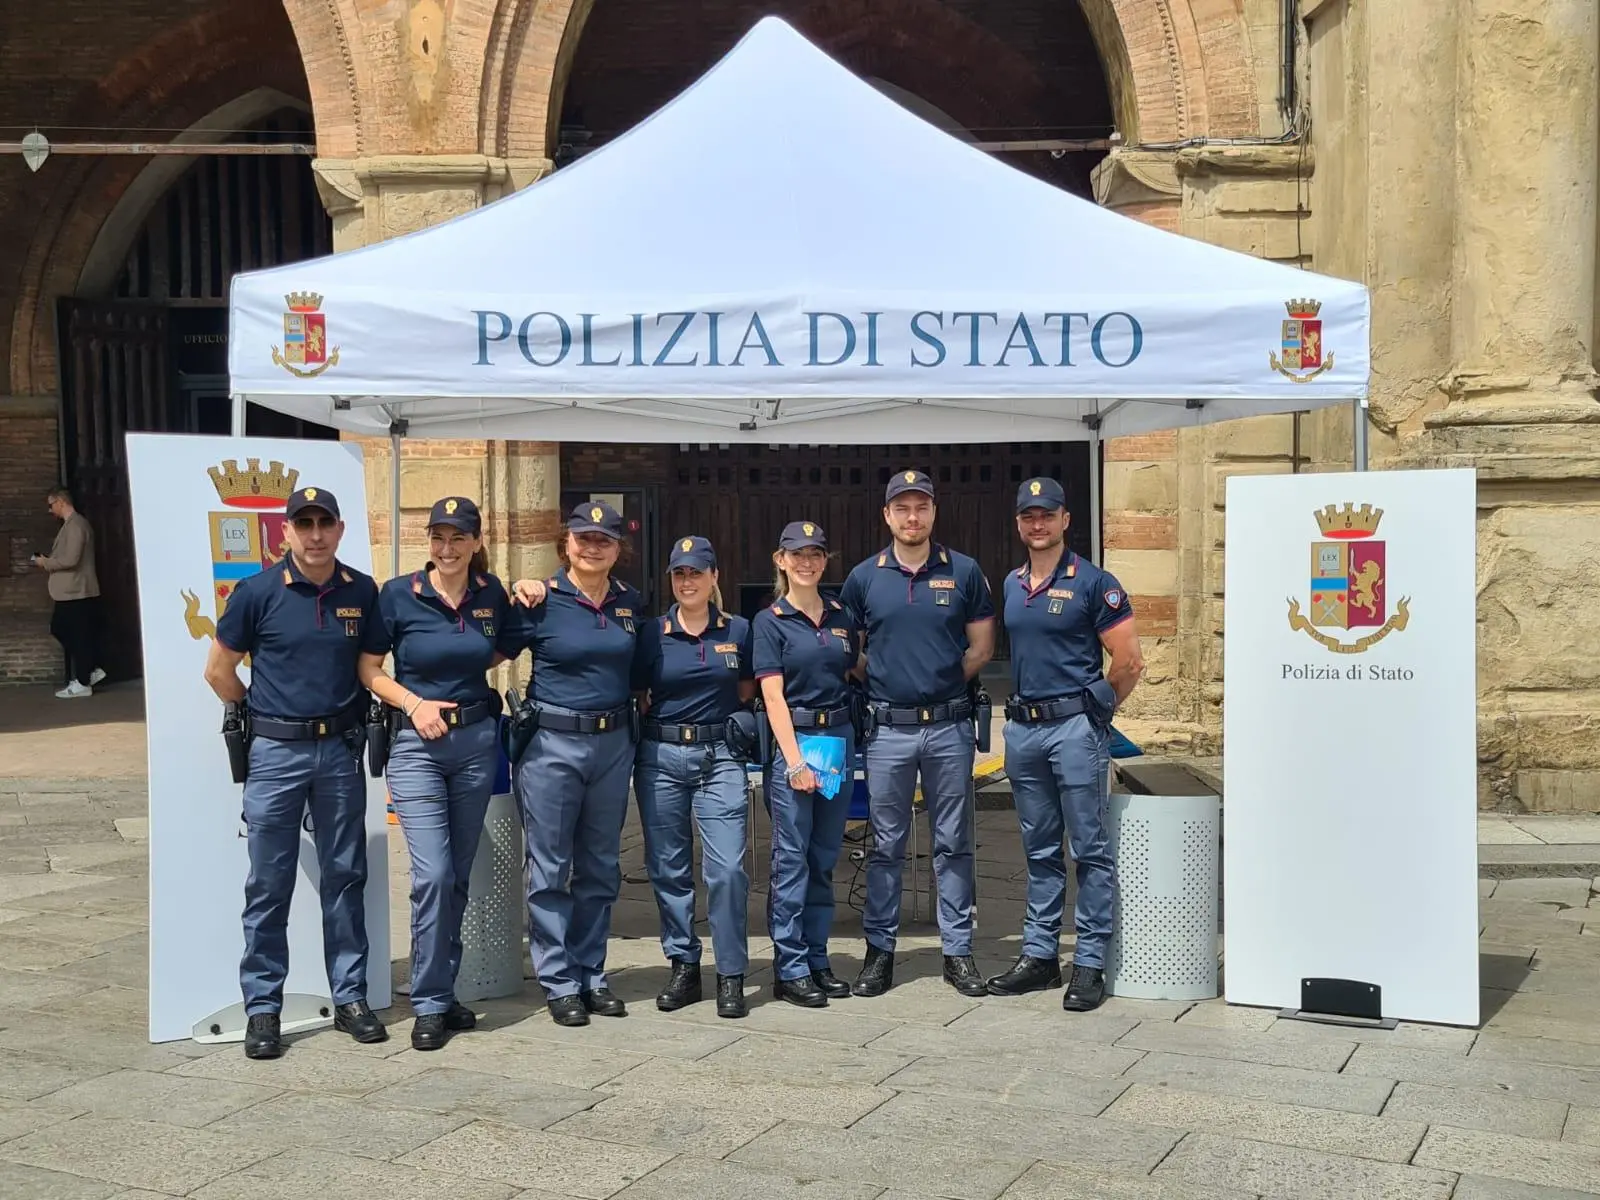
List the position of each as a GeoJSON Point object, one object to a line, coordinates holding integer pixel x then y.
{"type": "Point", "coordinates": [1040, 493]}
{"type": "Point", "coordinates": [695, 552]}
{"type": "Point", "coordinates": [908, 481]}
{"type": "Point", "coordinates": [595, 516]}
{"type": "Point", "coordinates": [458, 512]}
{"type": "Point", "coordinates": [311, 497]}
{"type": "Point", "coordinates": [798, 535]}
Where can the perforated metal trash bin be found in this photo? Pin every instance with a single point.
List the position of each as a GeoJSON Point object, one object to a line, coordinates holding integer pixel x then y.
{"type": "Point", "coordinates": [1165, 938]}
{"type": "Point", "coordinates": [496, 919]}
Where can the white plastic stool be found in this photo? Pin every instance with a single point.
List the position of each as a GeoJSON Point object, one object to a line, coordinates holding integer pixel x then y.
{"type": "Point", "coordinates": [1164, 939]}
{"type": "Point", "coordinates": [496, 919]}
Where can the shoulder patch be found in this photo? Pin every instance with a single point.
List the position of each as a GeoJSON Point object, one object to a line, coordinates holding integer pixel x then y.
{"type": "Point", "coordinates": [835, 605]}
{"type": "Point", "coordinates": [1072, 569]}
{"type": "Point", "coordinates": [347, 577]}
{"type": "Point", "coordinates": [883, 559]}
{"type": "Point", "coordinates": [553, 583]}
{"type": "Point", "coordinates": [666, 625]}
{"type": "Point", "coordinates": [943, 557]}
{"type": "Point", "coordinates": [416, 583]}
{"type": "Point", "coordinates": [481, 581]}
{"type": "Point", "coordinates": [287, 578]}
{"type": "Point", "coordinates": [1113, 597]}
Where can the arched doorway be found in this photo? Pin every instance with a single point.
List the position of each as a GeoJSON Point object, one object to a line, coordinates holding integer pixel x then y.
{"type": "Point", "coordinates": [984, 71]}
{"type": "Point", "coordinates": [143, 341]}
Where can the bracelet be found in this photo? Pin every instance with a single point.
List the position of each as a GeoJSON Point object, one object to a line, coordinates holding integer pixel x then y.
{"type": "Point", "coordinates": [793, 773]}
{"type": "Point", "coordinates": [415, 701]}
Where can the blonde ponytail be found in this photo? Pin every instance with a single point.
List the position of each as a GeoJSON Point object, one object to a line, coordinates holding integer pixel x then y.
{"type": "Point", "coordinates": [780, 579]}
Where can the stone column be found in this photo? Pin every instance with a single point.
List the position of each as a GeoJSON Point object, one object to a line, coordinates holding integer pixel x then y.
{"type": "Point", "coordinates": [516, 484]}
{"type": "Point", "coordinates": [1524, 295]}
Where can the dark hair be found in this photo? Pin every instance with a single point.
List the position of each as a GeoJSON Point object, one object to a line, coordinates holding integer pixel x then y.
{"type": "Point", "coordinates": [624, 550]}
{"type": "Point", "coordinates": [59, 493]}
{"type": "Point", "coordinates": [480, 561]}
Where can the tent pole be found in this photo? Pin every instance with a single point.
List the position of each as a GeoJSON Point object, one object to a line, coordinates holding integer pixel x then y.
{"type": "Point", "coordinates": [240, 404]}
{"type": "Point", "coordinates": [396, 429]}
{"type": "Point", "coordinates": [1359, 414]}
{"type": "Point", "coordinates": [1094, 498]}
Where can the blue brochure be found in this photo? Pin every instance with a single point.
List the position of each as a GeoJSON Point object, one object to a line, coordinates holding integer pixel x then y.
{"type": "Point", "coordinates": [825, 756]}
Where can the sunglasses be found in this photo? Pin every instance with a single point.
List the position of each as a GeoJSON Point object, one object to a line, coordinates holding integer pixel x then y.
{"type": "Point", "coordinates": [306, 524]}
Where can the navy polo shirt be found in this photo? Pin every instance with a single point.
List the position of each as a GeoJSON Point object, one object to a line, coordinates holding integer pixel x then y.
{"type": "Point", "coordinates": [916, 623]}
{"type": "Point", "coordinates": [584, 658]}
{"type": "Point", "coordinates": [303, 638]}
{"type": "Point", "coordinates": [694, 679]}
{"type": "Point", "coordinates": [440, 652]}
{"type": "Point", "coordinates": [1055, 628]}
{"type": "Point", "coordinates": [812, 659]}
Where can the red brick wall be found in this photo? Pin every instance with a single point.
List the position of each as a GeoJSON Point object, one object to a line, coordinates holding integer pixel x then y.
{"type": "Point", "coordinates": [27, 471]}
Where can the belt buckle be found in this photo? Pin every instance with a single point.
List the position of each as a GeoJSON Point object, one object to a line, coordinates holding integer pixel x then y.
{"type": "Point", "coordinates": [927, 715]}
{"type": "Point", "coordinates": [1033, 712]}
{"type": "Point", "coordinates": [822, 719]}
{"type": "Point", "coordinates": [453, 717]}
{"type": "Point", "coordinates": [688, 733]}
{"type": "Point", "coordinates": [600, 724]}
{"type": "Point", "coordinates": [322, 728]}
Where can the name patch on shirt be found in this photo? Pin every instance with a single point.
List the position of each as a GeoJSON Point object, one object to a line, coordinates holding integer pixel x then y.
{"type": "Point", "coordinates": [727, 648]}
{"type": "Point", "coordinates": [942, 583]}
{"type": "Point", "coordinates": [844, 633]}
{"type": "Point", "coordinates": [623, 612]}
{"type": "Point", "coordinates": [1059, 594]}
{"type": "Point", "coordinates": [347, 612]}
{"type": "Point", "coordinates": [481, 613]}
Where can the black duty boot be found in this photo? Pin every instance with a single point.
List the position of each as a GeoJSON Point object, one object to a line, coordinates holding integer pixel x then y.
{"type": "Point", "coordinates": [830, 983]}
{"type": "Point", "coordinates": [1027, 974]}
{"type": "Point", "coordinates": [961, 973]}
{"type": "Point", "coordinates": [568, 1010]}
{"type": "Point", "coordinates": [261, 1036]}
{"type": "Point", "coordinates": [803, 991]}
{"type": "Point", "coordinates": [730, 996]}
{"type": "Point", "coordinates": [360, 1022]}
{"type": "Point", "coordinates": [460, 1017]}
{"type": "Point", "coordinates": [604, 1002]}
{"type": "Point", "coordinates": [428, 1032]}
{"type": "Point", "coordinates": [1087, 990]}
{"type": "Point", "coordinates": [683, 988]}
{"type": "Point", "coordinates": [877, 973]}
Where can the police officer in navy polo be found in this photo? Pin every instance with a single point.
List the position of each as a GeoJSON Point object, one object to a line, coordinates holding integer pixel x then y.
{"type": "Point", "coordinates": [805, 649]}
{"type": "Point", "coordinates": [696, 670]}
{"type": "Point", "coordinates": [304, 623]}
{"type": "Point", "coordinates": [445, 625]}
{"type": "Point", "coordinates": [1063, 614]}
{"type": "Point", "coordinates": [572, 780]}
{"type": "Point", "coordinates": [929, 622]}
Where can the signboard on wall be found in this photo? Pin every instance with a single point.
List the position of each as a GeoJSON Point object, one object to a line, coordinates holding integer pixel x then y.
{"type": "Point", "coordinates": [1350, 739]}
{"type": "Point", "coordinates": [207, 513]}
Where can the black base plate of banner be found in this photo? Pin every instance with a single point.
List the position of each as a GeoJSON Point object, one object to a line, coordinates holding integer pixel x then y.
{"type": "Point", "coordinates": [1340, 1002]}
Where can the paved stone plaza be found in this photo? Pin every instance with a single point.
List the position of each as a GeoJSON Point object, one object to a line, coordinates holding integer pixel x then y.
{"type": "Point", "coordinates": [920, 1093]}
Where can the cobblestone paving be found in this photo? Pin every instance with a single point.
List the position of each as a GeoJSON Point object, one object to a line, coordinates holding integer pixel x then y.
{"type": "Point", "coordinates": [920, 1093]}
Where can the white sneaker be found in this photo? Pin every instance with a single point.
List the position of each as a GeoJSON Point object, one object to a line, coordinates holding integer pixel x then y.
{"type": "Point", "coordinates": [74, 691]}
{"type": "Point", "coordinates": [95, 676]}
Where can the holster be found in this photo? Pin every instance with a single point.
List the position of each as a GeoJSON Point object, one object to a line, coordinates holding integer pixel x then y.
{"type": "Point", "coordinates": [862, 715]}
{"type": "Point", "coordinates": [1100, 703]}
{"type": "Point", "coordinates": [380, 735]}
{"type": "Point", "coordinates": [763, 733]}
{"type": "Point", "coordinates": [236, 736]}
{"type": "Point", "coordinates": [635, 721]}
{"type": "Point", "coordinates": [982, 716]}
{"type": "Point", "coordinates": [522, 721]}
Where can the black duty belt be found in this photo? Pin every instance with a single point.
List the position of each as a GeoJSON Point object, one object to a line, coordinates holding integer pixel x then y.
{"type": "Point", "coordinates": [925, 714]}
{"type": "Point", "coordinates": [461, 715]}
{"type": "Point", "coordinates": [606, 722]}
{"type": "Point", "coordinates": [313, 729]}
{"type": "Point", "coordinates": [683, 735]}
{"type": "Point", "coordinates": [1031, 712]}
{"type": "Point", "coordinates": [819, 718]}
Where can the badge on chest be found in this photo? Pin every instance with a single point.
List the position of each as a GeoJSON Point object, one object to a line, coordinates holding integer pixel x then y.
{"type": "Point", "coordinates": [942, 590]}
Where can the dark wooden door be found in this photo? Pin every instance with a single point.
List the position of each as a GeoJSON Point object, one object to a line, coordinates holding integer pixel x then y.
{"type": "Point", "coordinates": [114, 381]}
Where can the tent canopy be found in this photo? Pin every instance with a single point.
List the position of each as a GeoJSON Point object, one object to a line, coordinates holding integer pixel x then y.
{"type": "Point", "coordinates": [783, 254]}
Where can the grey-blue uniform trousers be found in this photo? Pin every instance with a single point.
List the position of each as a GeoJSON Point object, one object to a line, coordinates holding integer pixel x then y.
{"type": "Point", "coordinates": [1059, 769]}
{"type": "Point", "coordinates": [688, 782]}
{"type": "Point", "coordinates": [807, 827]}
{"type": "Point", "coordinates": [915, 625]}
{"type": "Point", "coordinates": [441, 786]}
{"type": "Point", "coordinates": [573, 787]}
{"type": "Point", "coordinates": [304, 641]}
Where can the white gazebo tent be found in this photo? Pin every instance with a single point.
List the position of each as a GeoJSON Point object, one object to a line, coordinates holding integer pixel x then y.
{"type": "Point", "coordinates": [784, 255]}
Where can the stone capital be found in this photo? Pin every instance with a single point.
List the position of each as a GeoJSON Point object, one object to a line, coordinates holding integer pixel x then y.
{"type": "Point", "coordinates": [1135, 177]}
{"type": "Point", "coordinates": [375, 198]}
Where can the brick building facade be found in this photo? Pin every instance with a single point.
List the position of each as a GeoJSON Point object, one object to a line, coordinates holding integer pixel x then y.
{"type": "Point", "coordinates": [1386, 142]}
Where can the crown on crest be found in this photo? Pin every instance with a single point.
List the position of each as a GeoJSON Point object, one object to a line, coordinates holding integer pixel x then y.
{"type": "Point", "coordinates": [253, 487]}
{"type": "Point", "coordinates": [1303, 309]}
{"type": "Point", "coordinates": [303, 302]}
{"type": "Point", "coordinates": [1348, 522]}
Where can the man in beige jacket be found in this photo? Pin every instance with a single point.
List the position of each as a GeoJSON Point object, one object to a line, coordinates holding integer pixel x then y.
{"type": "Point", "coordinates": [76, 590]}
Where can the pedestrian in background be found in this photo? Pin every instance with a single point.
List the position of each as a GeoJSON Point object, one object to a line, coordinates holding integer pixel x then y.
{"type": "Point", "coordinates": [75, 619]}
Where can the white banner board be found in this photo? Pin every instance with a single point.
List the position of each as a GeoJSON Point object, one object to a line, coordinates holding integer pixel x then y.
{"type": "Point", "coordinates": [1350, 739]}
{"type": "Point", "coordinates": [207, 512]}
